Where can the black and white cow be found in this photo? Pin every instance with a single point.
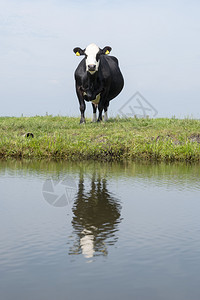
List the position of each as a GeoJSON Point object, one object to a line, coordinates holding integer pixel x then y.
{"type": "Point", "coordinates": [98, 79]}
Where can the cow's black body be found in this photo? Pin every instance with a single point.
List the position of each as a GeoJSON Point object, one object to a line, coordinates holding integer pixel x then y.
{"type": "Point", "coordinates": [106, 81]}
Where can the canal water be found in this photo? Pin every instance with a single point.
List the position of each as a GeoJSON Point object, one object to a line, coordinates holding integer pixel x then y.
{"type": "Point", "coordinates": [99, 231]}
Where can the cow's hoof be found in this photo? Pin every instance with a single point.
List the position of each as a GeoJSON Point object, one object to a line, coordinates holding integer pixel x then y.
{"type": "Point", "coordinates": [82, 122]}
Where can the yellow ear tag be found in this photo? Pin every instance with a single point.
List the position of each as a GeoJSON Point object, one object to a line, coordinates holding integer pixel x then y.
{"type": "Point", "coordinates": [77, 53]}
{"type": "Point", "coordinates": [107, 52]}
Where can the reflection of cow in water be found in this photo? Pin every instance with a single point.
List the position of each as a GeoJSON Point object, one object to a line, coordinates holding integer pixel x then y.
{"type": "Point", "coordinates": [96, 216]}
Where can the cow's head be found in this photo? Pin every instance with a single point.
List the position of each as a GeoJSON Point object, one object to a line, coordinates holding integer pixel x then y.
{"type": "Point", "coordinates": [92, 56]}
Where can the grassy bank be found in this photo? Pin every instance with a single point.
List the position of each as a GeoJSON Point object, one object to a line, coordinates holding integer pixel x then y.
{"type": "Point", "coordinates": [117, 139]}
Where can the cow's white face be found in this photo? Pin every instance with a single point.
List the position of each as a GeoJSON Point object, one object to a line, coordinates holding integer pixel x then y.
{"type": "Point", "coordinates": [92, 58]}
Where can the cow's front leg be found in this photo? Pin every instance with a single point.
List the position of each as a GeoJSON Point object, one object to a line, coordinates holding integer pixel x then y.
{"type": "Point", "coordinates": [94, 107]}
{"type": "Point", "coordinates": [82, 110]}
{"type": "Point", "coordinates": [100, 108]}
{"type": "Point", "coordinates": [106, 111]}
{"type": "Point", "coordinates": [81, 100]}
{"type": "Point", "coordinates": [102, 104]}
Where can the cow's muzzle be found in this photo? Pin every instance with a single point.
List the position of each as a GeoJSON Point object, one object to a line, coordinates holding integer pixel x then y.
{"type": "Point", "coordinates": [92, 68]}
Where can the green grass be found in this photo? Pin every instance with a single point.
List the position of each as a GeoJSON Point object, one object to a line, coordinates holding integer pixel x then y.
{"type": "Point", "coordinates": [117, 139]}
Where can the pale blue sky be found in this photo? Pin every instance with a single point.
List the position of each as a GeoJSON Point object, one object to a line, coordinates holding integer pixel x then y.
{"type": "Point", "coordinates": [157, 44]}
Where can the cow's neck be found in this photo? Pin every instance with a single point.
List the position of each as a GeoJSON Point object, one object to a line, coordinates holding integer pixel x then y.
{"type": "Point", "coordinates": [91, 85]}
{"type": "Point", "coordinates": [92, 80]}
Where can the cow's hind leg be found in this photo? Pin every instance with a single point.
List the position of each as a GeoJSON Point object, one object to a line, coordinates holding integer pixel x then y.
{"type": "Point", "coordinates": [94, 107]}
{"type": "Point", "coordinates": [105, 116]}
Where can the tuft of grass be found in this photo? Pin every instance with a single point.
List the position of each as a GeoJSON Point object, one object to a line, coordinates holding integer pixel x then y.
{"type": "Point", "coordinates": [118, 139]}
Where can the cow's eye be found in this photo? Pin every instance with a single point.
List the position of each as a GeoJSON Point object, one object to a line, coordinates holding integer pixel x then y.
{"type": "Point", "coordinates": [97, 56]}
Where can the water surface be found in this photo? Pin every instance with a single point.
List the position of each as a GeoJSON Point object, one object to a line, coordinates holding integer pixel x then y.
{"type": "Point", "coordinates": [94, 231]}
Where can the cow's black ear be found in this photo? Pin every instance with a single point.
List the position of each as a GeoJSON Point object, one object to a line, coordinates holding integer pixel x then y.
{"type": "Point", "coordinates": [106, 50]}
{"type": "Point", "coordinates": [78, 51]}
